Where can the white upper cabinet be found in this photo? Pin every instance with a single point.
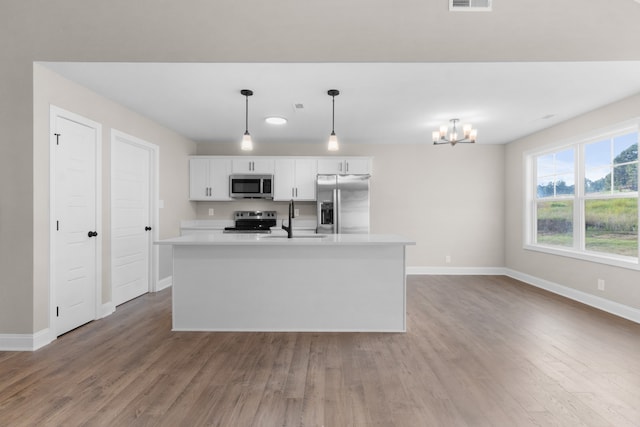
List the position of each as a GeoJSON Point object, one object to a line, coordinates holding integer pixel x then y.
{"type": "Point", "coordinates": [251, 165]}
{"type": "Point", "coordinates": [295, 179]}
{"type": "Point", "coordinates": [209, 179]}
{"type": "Point", "coordinates": [344, 165]}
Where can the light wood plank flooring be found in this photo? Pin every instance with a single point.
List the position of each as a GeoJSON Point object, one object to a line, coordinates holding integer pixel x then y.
{"type": "Point", "coordinates": [479, 351]}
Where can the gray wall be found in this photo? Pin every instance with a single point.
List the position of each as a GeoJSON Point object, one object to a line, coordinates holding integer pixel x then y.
{"type": "Point", "coordinates": [449, 200]}
{"type": "Point", "coordinates": [622, 285]}
{"type": "Point", "coordinates": [52, 89]}
{"type": "Point", "coordinates": [254, 30]}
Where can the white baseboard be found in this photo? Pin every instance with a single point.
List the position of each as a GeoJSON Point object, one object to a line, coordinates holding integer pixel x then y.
{"type": "Point", "coordinates": [164, 283]}
{"type": "Point", "coordinates": [25, 342]}
{"type": "Point", "coordinates": [612, 307]}
{"type": "Point", "coordinates": [457, 271]}
{"type": "Point", "coordinates": [107, 310]}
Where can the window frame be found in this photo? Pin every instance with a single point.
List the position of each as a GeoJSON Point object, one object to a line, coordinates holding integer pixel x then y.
{"type": "Point", "coordinates": [578, 249]}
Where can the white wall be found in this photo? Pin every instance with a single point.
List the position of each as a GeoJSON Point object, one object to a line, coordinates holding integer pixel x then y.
{"type": "Point", "coordinates": [52, 89]}
{"type": "Point", "coordinates": [450, 200]}
{"type": "Point", "coordinates": [622, 285]}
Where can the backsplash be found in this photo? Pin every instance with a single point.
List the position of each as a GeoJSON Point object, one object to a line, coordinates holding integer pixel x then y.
{"type": "Point", "coordinates": [225, 210]}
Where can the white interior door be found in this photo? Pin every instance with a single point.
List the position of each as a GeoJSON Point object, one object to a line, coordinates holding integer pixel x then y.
{"type": "Point", "coordinates": [75, 234]}
{"type": "Point", "coordinates": [131, 219]}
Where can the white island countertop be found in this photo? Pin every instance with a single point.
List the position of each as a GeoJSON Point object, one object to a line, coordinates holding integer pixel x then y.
{"type": "Point", "coordinates": [233, 239]}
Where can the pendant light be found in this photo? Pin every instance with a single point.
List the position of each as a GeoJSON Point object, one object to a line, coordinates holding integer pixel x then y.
{"type": "Point", "coordinates": [247, 143]}
{"type": "Point", "coordinates": [333, 139]}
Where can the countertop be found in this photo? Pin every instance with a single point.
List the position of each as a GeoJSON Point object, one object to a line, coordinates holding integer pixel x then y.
{"type": "Point", "coordinates": [281, 239]}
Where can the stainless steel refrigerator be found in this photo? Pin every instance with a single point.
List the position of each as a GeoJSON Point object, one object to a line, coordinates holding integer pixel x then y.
{"type": "Point", "coordinates": [343, 204]}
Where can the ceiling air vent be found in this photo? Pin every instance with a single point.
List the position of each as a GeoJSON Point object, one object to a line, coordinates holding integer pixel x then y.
{"type": "Point", "coordinates": [470, 5]}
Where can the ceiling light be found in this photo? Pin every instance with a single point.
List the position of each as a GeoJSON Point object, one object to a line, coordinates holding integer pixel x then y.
{"type": "Point", "coordinates": [449, 134]}
{"type": "Point", "coordinates": [247, 143]}
{"type": "Point", "coordinates": [275, 120]}
{"type": "Point", "coordinates": [333, 139]}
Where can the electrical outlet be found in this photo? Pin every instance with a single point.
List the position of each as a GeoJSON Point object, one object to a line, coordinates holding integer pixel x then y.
{"type": "Point", "coordinates": [296, 212]}
{"type": "Point", "coordinates": [447, 259]}
{"type": "Point", "coordinates": [601, 284]}
{"type": "Point", "coordinates": [210, 212]}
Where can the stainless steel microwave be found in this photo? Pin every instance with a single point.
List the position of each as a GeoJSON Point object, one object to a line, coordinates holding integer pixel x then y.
{"type": "Point", "coordinates": [251, 186]}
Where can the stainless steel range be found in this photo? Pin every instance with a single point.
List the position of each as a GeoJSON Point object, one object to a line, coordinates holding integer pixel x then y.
{"type": "Point", "coordinates": [252, 222]}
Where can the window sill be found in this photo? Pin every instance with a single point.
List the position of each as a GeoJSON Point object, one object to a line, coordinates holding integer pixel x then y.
{"type": "Point", "coordinates": [616, 261]}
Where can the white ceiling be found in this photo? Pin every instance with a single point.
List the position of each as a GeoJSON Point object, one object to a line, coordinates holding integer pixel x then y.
{"type": "Point", "coordinates": [378, 103]}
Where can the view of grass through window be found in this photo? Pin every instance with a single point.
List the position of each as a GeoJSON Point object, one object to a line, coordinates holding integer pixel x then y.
{"type": "Point", "coordinates": [611, 225]}
{"type": "Point", "coordinates": [607, 203]}
{"type": "Point", "coordinates": [555, 223]}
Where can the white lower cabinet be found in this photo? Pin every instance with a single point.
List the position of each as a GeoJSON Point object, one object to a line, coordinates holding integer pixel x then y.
{"type": "Point", "coordinates": [295, 179]}
{"type": "Point", "coordinates": [209, 179]}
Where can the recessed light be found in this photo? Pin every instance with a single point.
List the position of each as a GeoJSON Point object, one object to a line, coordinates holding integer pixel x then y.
{"type": "Point", "coordinates": [275, 120]}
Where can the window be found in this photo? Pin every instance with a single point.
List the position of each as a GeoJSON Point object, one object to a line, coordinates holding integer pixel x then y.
{"type": "Point", "coordinates": [584, 198]}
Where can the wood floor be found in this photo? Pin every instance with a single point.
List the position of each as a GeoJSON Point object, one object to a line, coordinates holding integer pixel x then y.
{"type": "Point", "coordinates": [479, 351]}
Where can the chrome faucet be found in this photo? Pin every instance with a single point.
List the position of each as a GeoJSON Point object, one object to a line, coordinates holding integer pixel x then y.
{"type": "Point", "coordinates": [289, 229]}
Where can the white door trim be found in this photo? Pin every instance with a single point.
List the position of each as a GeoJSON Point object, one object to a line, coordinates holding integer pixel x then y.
{"type": "Point", "coordinates": [55, 112]}
{"type": "Point", "coordinates": [154, 151]}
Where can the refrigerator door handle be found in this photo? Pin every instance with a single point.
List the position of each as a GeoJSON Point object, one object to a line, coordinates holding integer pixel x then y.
{"type": "Point", "coordinates": [336, 211]}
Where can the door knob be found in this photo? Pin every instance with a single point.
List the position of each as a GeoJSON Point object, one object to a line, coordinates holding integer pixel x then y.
{"type": "Point", "coordinates": [147, 228]}
{"type": "Point", "coordinates": [92, 234]}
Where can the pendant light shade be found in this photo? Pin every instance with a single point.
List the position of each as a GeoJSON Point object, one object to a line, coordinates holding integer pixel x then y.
{"type": "Point", "coordinates": [247, 143]}
{"type": "Point", "coordinates": [333, 139]}
{"type": "Point", "coordinates": [333, 142]}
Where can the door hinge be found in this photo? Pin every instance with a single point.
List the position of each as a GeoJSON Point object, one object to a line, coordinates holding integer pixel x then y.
{"type": "Point", "coordinates": [57, 138]}
{"type": "Point", "coordinates": [57, 311]}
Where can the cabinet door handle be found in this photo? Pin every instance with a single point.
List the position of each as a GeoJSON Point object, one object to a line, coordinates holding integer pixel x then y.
{"type": "Point", "coordinates": [347, 166]}
{"type": "Point", "coordinates": [296, 191]}
{"type": "Point", "coordinates": [147, 228]}
{"type": "Point", "coordinates": [92, 233]}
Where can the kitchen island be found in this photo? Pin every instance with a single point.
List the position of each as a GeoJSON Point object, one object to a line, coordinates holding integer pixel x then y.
{"type": "Point", "coordinates": [341, 282]}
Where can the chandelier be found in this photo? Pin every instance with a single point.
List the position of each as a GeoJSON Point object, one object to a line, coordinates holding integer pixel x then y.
{"type": "Point", "coordinates": [449, 134]}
